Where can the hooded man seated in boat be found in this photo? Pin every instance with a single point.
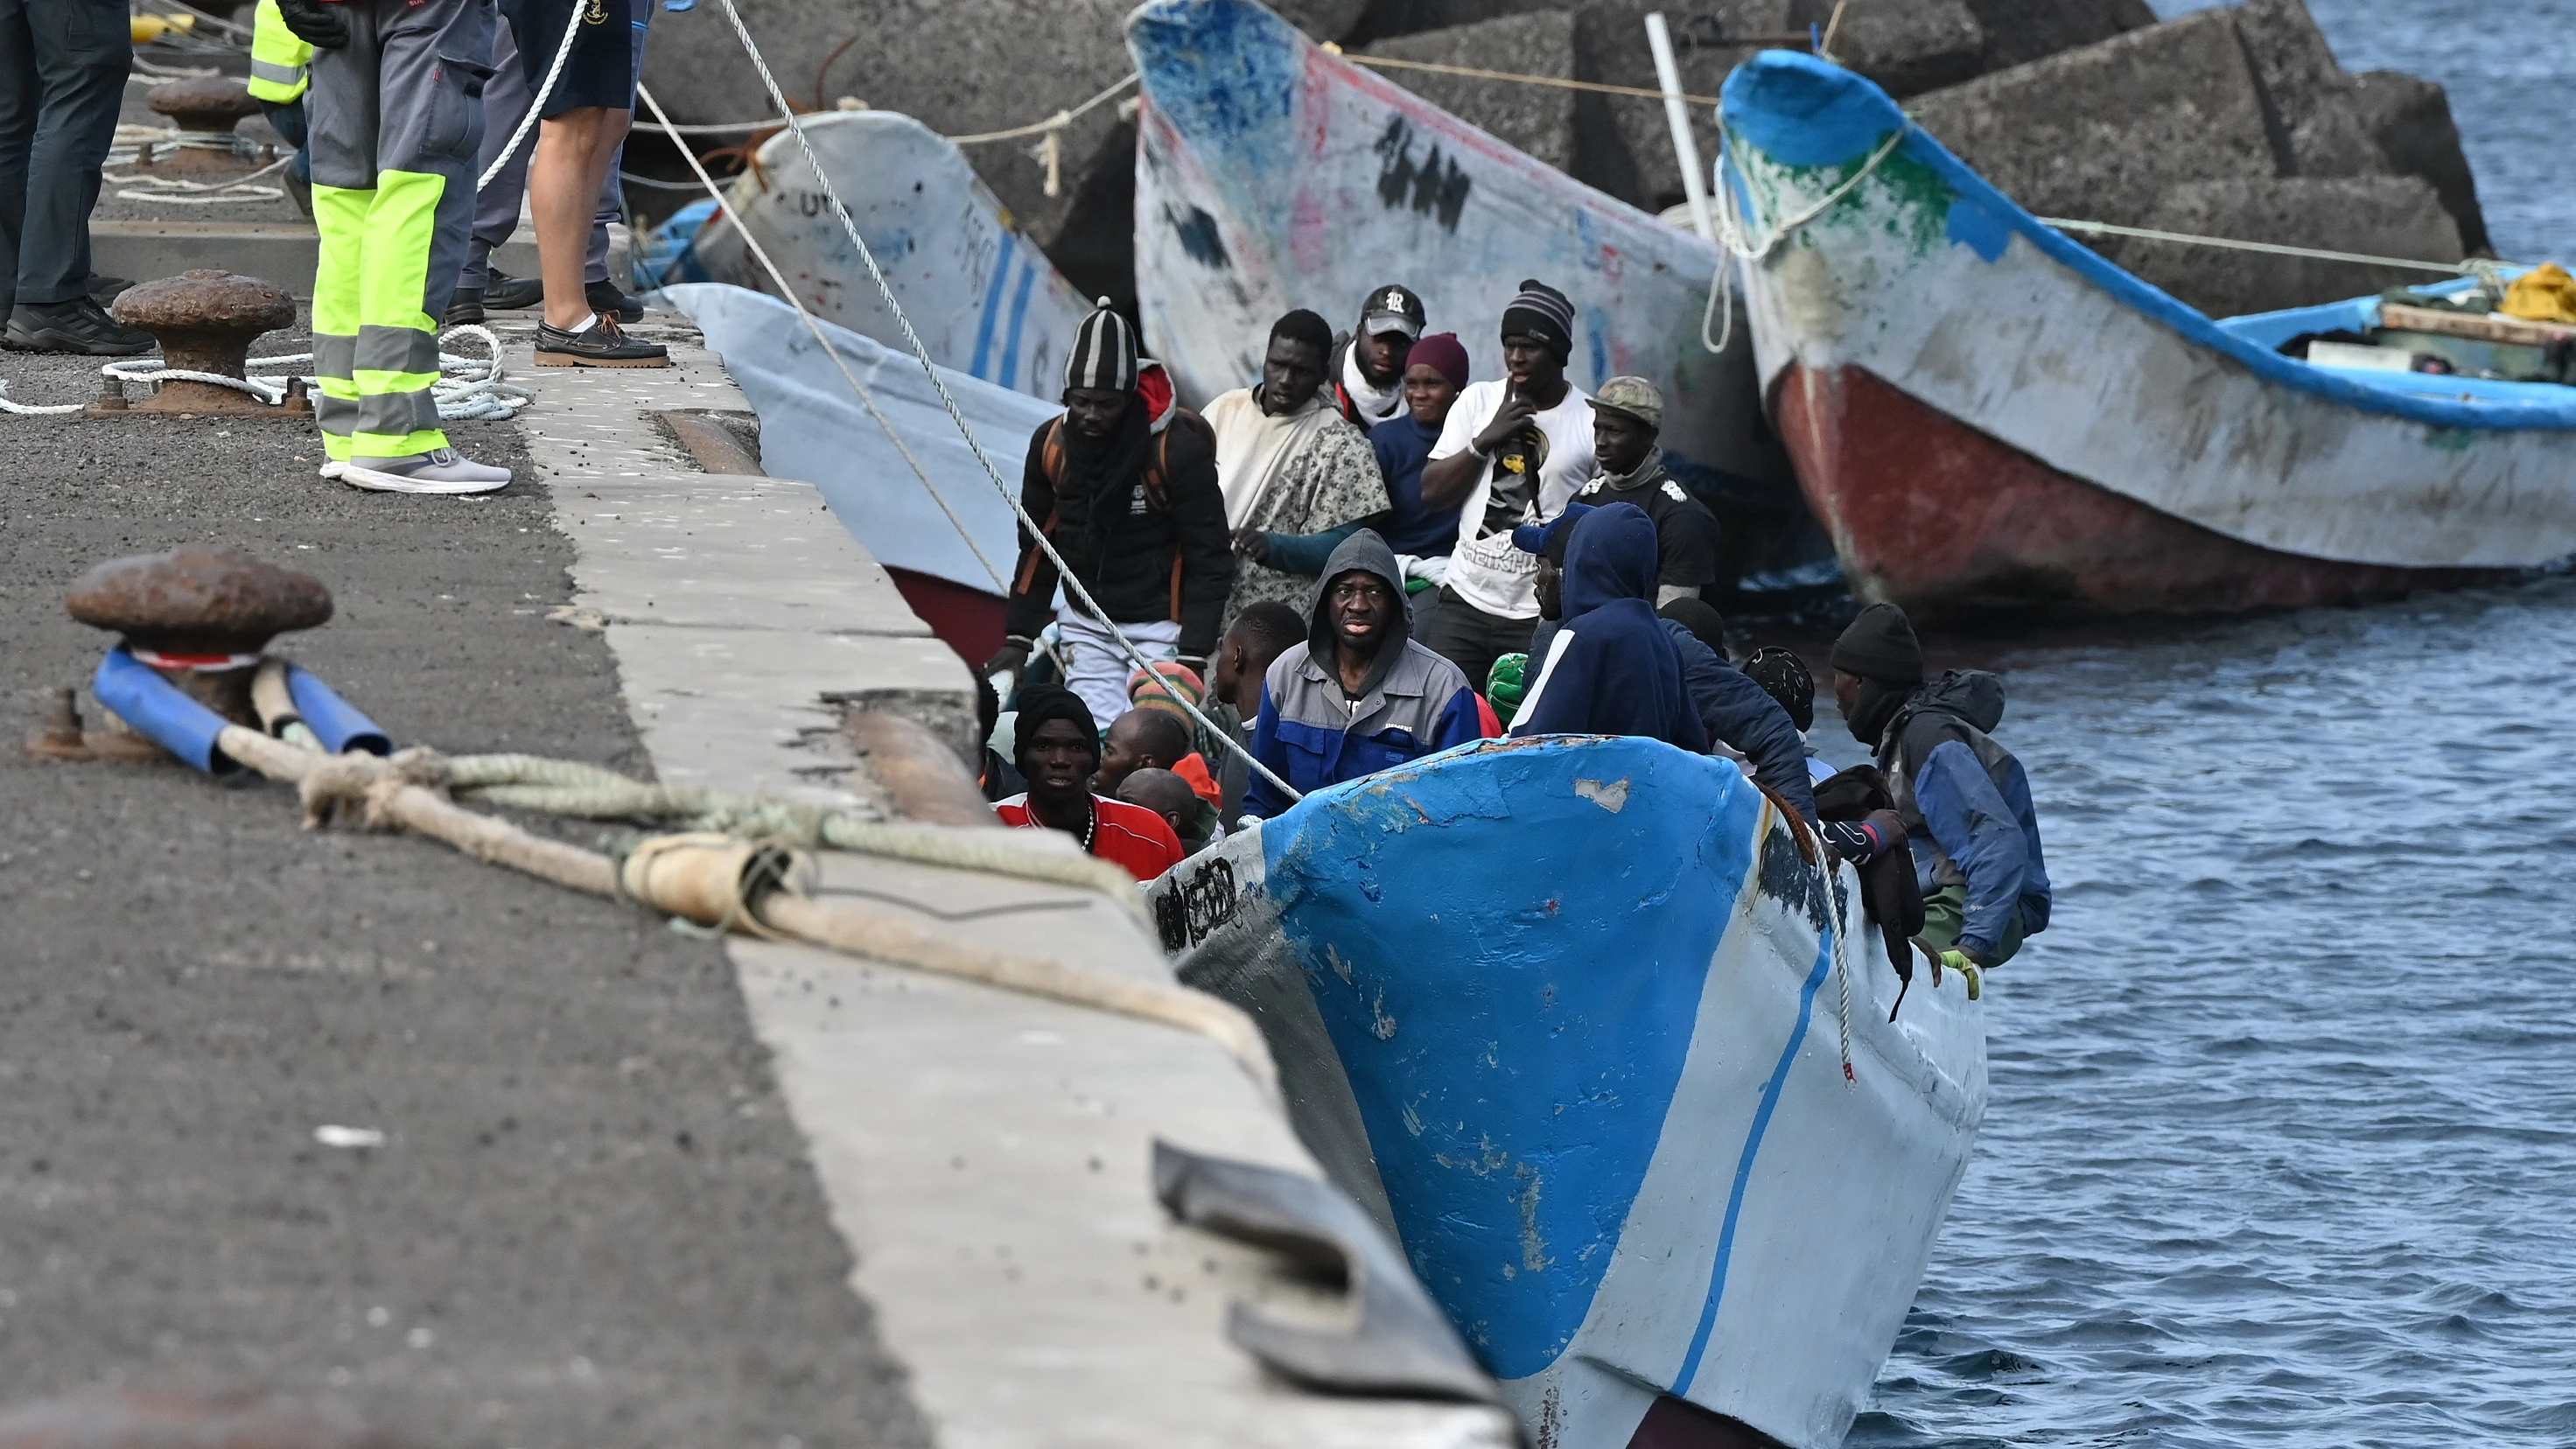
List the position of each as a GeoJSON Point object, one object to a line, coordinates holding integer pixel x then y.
{"type": "Point", "coordinates": [1361, 696]}
{"type": "Point", "coordinates": [1963, 798]}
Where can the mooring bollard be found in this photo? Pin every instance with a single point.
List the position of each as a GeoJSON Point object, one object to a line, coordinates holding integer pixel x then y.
{"type": "Point", "coordinates": [206, 321]}
{"type": "Point", "coordinates": [207, 112]}
{"type": "Point", "coordinates": [200, 616]}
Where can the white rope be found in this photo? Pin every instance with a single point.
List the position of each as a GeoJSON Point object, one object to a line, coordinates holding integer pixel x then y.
{"type": "Point", "coordinates": [476, 392]}
{"type": "Point", "coordinates": [1056, 122]}
{"type": "Point", "coordinates": [536, 105]}
{"type": "Point", "coordinates": [866, 399]}
{"type": "Point", "coordinates": [2475, 266]}
{"type": "Point", "coordinates": [1732, 234]}
{"type": "Point", "coordinates": [1072, 586]}
{"type": "Point", "coordinates": [199, 193]}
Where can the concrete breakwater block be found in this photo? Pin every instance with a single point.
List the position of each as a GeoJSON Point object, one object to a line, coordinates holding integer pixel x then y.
{"type": "Point", "coordinates": [2410, 121]}
{"type": "Point", "coordinates": [2102, 132]}
{"type": "Point", "coordinates": [2385, 216]}
{"type": "Point", "coordinates": [1539, 120]}
{"type": "Point", "coordinates": [1709, 39]}
{"type": "Point", "coordinates": [1906, 46]}
{"type": "Point", "coordinates": [2202, 125]}
{"type": "Point", "coordinates": [2021, 31]}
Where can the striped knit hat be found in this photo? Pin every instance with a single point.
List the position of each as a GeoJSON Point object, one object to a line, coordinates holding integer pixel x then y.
{"type": "Point", "coordinates": [1164, 686]}
{"type": "Point", "coordinates": [1542, 312]}
{"type": "Point", "coordinates": [1104, 353]}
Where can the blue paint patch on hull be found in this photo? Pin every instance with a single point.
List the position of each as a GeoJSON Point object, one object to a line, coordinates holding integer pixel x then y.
{"type": "Point", "coordinates": [1223, 74]}
{"type": "Point", "coordinates": [1508, 945]}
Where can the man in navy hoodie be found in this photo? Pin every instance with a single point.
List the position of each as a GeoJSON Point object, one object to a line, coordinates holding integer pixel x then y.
{"type": "Point", "coordinates": [1611, 668]}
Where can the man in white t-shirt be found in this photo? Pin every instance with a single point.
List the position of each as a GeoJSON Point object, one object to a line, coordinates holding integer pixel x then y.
{"type": "Point", "coordinates": [1512, 453]}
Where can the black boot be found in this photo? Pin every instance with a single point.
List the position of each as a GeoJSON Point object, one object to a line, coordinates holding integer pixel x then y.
{"type": "Point", "coordinates": [604, 296]}
{"type": "Point", "coordinates": [465, 308]}
{"type": "Point", "coordinates": [504, 293]}
{"type": "Point", "coordinates": [77, 326]}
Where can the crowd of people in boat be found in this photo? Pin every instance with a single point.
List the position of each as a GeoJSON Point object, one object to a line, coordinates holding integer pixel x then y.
{"type": "Point", "coordinates": [1368, 557]}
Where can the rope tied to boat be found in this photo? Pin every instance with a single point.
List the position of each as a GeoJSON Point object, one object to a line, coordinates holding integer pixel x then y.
{"type": "Point", "coordinates": [1734, 237]}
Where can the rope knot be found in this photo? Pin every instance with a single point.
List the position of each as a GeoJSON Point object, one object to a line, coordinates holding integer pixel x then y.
{"type": "Point", "coordinates": [341, 786]}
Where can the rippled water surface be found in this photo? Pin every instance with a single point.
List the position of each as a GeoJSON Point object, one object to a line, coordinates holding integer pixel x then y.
{"type": "Point", "coordinates": [2282, 1142]}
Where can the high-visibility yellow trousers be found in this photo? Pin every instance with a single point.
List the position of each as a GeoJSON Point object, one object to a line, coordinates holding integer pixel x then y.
{"type": "Point", "coordinates": [396, 117]}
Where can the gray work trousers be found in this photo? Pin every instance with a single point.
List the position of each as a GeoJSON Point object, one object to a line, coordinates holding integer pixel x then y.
{"type": "Point", "coordinates": [62, 80]}
{"type": "Point", "coordinates": [395, 118]}
{"type": "Point", "coordinates": [496, 207]}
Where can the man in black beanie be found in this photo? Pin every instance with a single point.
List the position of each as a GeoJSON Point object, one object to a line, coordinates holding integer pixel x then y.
{"type": "Point", "coordinates": [1057, 748]}
{"type": "Point", "coordinates": [1512, 453]}
{"type": "Point", "coordinates": [1125, 485]}
{"type": "Point", "coordinates": [1963, 798]}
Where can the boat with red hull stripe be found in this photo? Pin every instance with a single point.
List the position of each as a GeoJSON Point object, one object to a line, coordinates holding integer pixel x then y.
{"type": "Point", "coordinates": [1986, 415]}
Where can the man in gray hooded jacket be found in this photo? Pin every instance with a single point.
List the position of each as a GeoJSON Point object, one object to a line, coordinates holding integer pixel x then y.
{"type": "Point", "coordinates": [1362, 696]}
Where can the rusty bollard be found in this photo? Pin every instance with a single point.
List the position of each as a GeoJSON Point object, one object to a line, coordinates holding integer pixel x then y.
{"type": "Point", "coordinates": [206, 321]}
{"type": "Point", "coordinates": [199, 617]}
{"type": "Point", "coordinates": [207, 108]}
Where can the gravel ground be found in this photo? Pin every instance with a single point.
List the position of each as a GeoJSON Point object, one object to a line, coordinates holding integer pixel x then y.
{"type": "Point", "coordinates": [592, 1223]}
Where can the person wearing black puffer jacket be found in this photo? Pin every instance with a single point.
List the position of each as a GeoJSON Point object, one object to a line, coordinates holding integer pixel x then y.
{"type": "Point", "coordinates": [1124, 485]}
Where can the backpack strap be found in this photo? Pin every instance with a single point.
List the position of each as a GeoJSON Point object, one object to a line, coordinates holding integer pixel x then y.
{"type": "Point", "coordinates": [1051, 468]}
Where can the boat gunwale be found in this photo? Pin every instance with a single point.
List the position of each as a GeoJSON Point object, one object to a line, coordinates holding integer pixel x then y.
{"type": "Point", "coordinates": [2155, 304]}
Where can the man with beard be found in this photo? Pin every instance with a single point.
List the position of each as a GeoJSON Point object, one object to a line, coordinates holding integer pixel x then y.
{"type": "Point", "coordinates": [1362, 696]}
{"type": "Point", "coordinates": [1963, 798]}
{"type": "Point", "coordinates": [1367, 374]}
{"type": "Point", "coordinates": [1125, 486]}
{"type": "Point", "coordinates": [1058, 749]}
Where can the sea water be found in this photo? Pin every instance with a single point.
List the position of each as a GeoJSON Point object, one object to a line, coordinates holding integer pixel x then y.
{"type": "Point", "coordinates": [2282, 1142]}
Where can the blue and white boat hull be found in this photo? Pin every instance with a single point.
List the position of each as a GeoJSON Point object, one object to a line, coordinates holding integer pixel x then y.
{"type": "Point", "coordinates": [1567, 1015]}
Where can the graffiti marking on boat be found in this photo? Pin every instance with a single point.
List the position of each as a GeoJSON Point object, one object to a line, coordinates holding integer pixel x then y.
{"type": "Point", "coordinates": [1206, 899]}
{"type": "Point", "coordinates": [1434, 186]}
{"type": "Point", "coordinates": [1199, 238]}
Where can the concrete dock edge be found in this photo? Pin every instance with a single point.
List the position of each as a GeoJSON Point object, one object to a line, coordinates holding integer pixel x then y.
{"type": "Point", "coordinates": [985, 1154]}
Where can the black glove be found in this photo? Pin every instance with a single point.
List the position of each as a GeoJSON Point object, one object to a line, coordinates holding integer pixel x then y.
{"type": "Point", "coordinates": [315, 23]}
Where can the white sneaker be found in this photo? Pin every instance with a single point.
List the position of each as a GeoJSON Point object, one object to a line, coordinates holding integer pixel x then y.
{"type": "Point", "coordinates": [442, 470]}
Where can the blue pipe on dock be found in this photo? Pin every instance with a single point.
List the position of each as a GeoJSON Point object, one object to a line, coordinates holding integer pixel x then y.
{"type": "Point", "coordinates": [333, 720]}
{"type": "Point", "coordinates": [160, 712]}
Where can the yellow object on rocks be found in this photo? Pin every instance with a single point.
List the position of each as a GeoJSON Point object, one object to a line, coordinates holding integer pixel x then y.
{"type": "Point", "coordinates": [2544, 294]}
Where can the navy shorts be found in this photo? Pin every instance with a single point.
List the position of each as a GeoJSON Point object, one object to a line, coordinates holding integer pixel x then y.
{"type": "Point", "coordinates": [601, 69]}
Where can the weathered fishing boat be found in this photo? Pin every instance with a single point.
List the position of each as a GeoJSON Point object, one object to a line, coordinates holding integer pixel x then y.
{"type": "Point", "coordinates": [1569, 1017]}
{"type": "Point", "coordinates": [812, 428]}
{"type": "Point", "coordinates": [985, 300]}
{"type": "Point", "coordinates": [1986, 414]}
{"type": "Point", "coordinates": [1272, 174]}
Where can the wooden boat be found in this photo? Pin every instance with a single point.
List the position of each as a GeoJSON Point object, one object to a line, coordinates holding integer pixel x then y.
{"type": "Point", "coordinates": [1272, 174]}
{"type": "Point", "coordinates": [985, 300]}
{"type": "Point", "coordinates": [1567, 1017]}
{"type": "Point", "coordinates": [1986, 414]}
